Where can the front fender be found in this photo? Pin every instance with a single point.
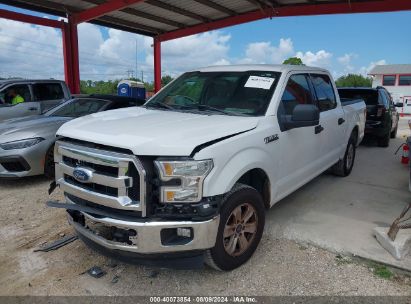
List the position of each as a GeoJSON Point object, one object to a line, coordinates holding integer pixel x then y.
{"type": "Point", "coordinates": [228, 171]}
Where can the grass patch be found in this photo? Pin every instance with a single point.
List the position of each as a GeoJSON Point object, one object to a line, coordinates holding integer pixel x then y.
{"type": "Point", "coordinates": [382, 271]}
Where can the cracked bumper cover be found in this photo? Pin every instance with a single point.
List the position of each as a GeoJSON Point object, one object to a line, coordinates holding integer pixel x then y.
{"type": "Point", "coordinates": [148, 238]}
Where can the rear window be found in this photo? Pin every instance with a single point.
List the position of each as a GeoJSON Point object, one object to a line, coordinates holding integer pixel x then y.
{"type": "Point", "coordinates": [369, 96]}
{"type": "Point", "coordinates": [47, 91]}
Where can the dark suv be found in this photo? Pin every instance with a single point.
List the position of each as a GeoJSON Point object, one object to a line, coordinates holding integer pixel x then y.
{"type": "Point", "coordinates": [382, 116]}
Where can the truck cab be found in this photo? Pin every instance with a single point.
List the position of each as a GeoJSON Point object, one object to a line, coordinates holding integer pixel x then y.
{"type": "Point", "coordinates": [37, 95]}
{"type": "Point", "coordinates": [191, 174]}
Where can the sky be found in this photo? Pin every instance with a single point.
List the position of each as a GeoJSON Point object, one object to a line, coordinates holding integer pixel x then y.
{"type": "Point", "coordinates": [341, 43]}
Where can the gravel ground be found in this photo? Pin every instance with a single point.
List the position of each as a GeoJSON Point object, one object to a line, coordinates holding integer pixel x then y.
{"type": "Point", "coordinates": [279, 267]}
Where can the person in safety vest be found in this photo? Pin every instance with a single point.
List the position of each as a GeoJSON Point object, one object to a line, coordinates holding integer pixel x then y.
{"type": "Point", "coordinates": [15, 97]}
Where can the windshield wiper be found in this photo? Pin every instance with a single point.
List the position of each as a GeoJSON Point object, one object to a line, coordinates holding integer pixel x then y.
{"type": "Point", "coordinates": [162, 104]}
{"type": "Point", "coordinates": [211, 108]}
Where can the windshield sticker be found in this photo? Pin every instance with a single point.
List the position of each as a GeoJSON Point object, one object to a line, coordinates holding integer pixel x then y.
{"type": "Point", "coordinates": [259, 82]}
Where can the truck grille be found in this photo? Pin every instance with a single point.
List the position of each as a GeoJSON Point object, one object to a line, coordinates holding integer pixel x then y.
{"type": "Point", "coordinates": [114, 180]}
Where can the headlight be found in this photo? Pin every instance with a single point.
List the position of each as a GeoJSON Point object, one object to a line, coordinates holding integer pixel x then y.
{"type": "Point", "coordinates": [21, 144]}
{"type": "Point", "coordinates": [191, 174]}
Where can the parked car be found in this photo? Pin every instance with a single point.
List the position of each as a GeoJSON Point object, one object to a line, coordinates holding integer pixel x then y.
{"type": "Point", "coordinates": [37, 95]}
{"type": "Point", "coordinates": [191, 173]}
{"type": "Point", "coordinates": [382, 115]}
{"type": "Point", "coordinates": [26, 144]}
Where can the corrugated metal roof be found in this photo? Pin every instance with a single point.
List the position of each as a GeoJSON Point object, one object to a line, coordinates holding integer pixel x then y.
{"type": "Point", "coordinates": [391, 69]}
{"type": "Point", "coordinates": [154, 17]}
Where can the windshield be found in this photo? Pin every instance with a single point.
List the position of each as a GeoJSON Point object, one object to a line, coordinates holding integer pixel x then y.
{"type": "Point", "coordinates": [225, 93]}
{"type": "Point", "coordinates": [78, 107]}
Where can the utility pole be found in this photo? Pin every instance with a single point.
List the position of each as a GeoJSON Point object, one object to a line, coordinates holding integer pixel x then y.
{"type": "Point", "coordinates": [142, 76]}
{"type": "Point", "coordinates": [136, 58]}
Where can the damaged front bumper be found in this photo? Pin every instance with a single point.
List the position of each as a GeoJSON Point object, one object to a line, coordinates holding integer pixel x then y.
{"type": "Point", "coordinates": [148, 237]}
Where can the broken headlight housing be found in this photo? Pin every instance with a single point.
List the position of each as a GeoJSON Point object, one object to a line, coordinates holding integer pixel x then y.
{"type": "Point", "coordinates": [190, 173]}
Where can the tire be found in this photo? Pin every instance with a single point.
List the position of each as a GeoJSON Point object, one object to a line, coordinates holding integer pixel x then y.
{"type": "Point", "coordinates": [394, 132]}
{"type": "Point", "coordinates": [240, 201]}
{"type": "Point", "coordinates": [344, 166]}
{"type": "Point", "coordinates": [49, 163]}
{"type": "Point", "coordinates": [384, 141]}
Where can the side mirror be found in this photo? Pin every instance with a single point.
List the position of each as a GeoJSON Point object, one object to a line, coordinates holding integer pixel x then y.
{"type": "Point", "coordinates": [399, 104]}
{"type": "Point", "coordinates": [304, 115]}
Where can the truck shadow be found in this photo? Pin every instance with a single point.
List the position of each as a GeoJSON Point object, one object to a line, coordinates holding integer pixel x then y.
{"type": "Point", "coordinates": [23, 182]}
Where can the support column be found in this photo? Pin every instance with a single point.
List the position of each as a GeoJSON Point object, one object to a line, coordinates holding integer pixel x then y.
{"type": "Point", "coordinates": [68, 65]}
{"type": "Point", "coordinates": [157, 65]}
{"type": "Point", "coordinates": [71, 55]}
{"type": "Point", "coordinates": [74, 55]}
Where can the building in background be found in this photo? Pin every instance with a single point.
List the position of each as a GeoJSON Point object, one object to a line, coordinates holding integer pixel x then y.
{"type": "Point", "coordinates": [396, 78]}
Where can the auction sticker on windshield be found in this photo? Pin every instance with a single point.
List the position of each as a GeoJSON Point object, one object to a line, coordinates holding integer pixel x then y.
{"type": "Point", "coordinates": [259, 82]}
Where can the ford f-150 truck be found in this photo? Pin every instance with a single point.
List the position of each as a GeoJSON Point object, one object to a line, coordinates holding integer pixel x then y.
{"type": "Point", "coordinates": [188, 177]}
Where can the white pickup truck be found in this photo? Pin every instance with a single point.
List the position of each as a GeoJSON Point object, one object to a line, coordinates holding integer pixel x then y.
{"type": "Point", "coordinates": [188, 177]}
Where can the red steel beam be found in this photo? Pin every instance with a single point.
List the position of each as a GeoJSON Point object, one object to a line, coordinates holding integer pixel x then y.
{"type": "Point", "coordinates": [67, 55]}
{"type": "Point", "coordinates": [103, 9]}
{"type": "Point", "coordinates": [30, 19]}
{"type": "Point", "coordinates": [74, 55]}
{"type": "Point", "coordinates": [296, 10]}
{"type": "Point", "coordinates": [157, 65]}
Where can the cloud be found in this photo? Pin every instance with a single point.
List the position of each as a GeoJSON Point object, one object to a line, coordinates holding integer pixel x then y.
{"type": "Point", "coordinates": [266, 53]}
{"type": "Point", "coordinates": [365, 69]}
{"type": "Point", "coordinates": [321, 58]}
{"type": "Point", "coordinates": [192, 52]}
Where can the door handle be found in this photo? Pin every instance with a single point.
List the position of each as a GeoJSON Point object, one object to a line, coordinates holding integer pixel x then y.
{"type": "Point", "coordinates": [318, 129]}
{"type": "Point", "coordinates": [33, 109]}
{"type": "Point", "coordinates": [341, 120]}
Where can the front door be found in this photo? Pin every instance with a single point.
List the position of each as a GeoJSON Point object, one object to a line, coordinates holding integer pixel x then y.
{"type": "Point", "coordinates": [9, 110]}
{"type": "Point", "coordinates": [299, 147]}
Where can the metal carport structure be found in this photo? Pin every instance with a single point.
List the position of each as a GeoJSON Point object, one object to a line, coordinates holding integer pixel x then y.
{"type": "Point", "coordinates": [170, 19]}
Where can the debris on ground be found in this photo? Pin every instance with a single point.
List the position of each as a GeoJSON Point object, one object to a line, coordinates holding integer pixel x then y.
{"type": "Point", "coordinates": [96, 272]}
{"type": "Point", "coordinates": [57, 244]}
{"type": "Point", "coordinates": [115, 279]}
{"type": "Point", "coordinates": [153, 274]}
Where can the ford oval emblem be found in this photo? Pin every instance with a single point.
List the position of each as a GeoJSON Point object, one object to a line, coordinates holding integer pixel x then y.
{"type": "Point", "coordinates": [82, 175]}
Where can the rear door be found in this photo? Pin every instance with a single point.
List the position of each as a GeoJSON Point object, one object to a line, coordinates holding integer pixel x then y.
{"type": "Point", "coordinates": [332, 119]}
{"type": "Point", "coordinates": [299, 147]}
{"type": "Point", "coordinates": [26, 108]}
{"type": "Point", "coordinates": [48, 94]}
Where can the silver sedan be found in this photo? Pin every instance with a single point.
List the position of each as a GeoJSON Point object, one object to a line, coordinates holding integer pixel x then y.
{"type": "Point", "coordinates": [27, 144]}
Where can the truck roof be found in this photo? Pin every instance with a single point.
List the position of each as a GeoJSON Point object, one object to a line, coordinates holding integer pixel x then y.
{"type": "Point", "coordinates": [18, 80]}
{"type": "Point", "coordinates": [260, 67]}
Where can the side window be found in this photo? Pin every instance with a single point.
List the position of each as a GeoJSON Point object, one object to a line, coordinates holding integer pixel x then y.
{"type": "Point", "coordinates": [80, 107]}
{"type": "Point", "coordinates": [47, 91]}
{"type": "Point", "coordinates": [15, 94]}
{"type": "Point", "coordinates": [324, 91]}
{"type": "Point", "coordinates": [296, 92]}
{"type": "Point", "coordinates": [384, 98]}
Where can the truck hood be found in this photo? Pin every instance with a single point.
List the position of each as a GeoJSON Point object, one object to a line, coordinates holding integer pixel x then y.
{"type": "Point", "coordinates": [155, 132]}
{"type": "Point", "coordinates": [29, 127]}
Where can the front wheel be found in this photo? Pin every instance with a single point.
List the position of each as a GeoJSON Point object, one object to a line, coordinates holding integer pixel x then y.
{"type": "Point", "coordinates": [242, 219]}
{"type": "Point", "coordinates": [49, 163]}
{"type": "Point", "coordinates": [344, 166]}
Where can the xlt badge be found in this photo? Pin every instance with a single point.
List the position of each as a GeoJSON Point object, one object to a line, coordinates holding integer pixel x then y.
{"type": "Point", "coordinates": [271, 138]}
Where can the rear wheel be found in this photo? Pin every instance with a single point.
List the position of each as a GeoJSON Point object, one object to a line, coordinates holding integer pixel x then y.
{"type": "Point", "coordinates": [242, 219]}
{"type": "Point", "coordinates": [394, 132]}
{"type": "Point", "coordinates": [384, 141]}
{"type": "Point", "coordinates": [49, 163]}
{"type": "Point", "coordinates": [344, 166]}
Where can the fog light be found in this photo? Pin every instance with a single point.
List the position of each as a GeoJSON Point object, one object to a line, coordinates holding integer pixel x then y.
{"type": "Point", "coordinates": [185, 232]}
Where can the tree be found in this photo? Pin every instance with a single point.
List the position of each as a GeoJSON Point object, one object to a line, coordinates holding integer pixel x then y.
{"type": "Point", "coordinates": [354, 80]}
{"type": "Point", "coordinates": [166, 79]}
{"type": "Point", "coordinates": [293, 61]}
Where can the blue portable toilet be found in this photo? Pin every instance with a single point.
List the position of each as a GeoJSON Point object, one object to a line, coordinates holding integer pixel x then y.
{"type": "Point", "coordinates": [131, 88]}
